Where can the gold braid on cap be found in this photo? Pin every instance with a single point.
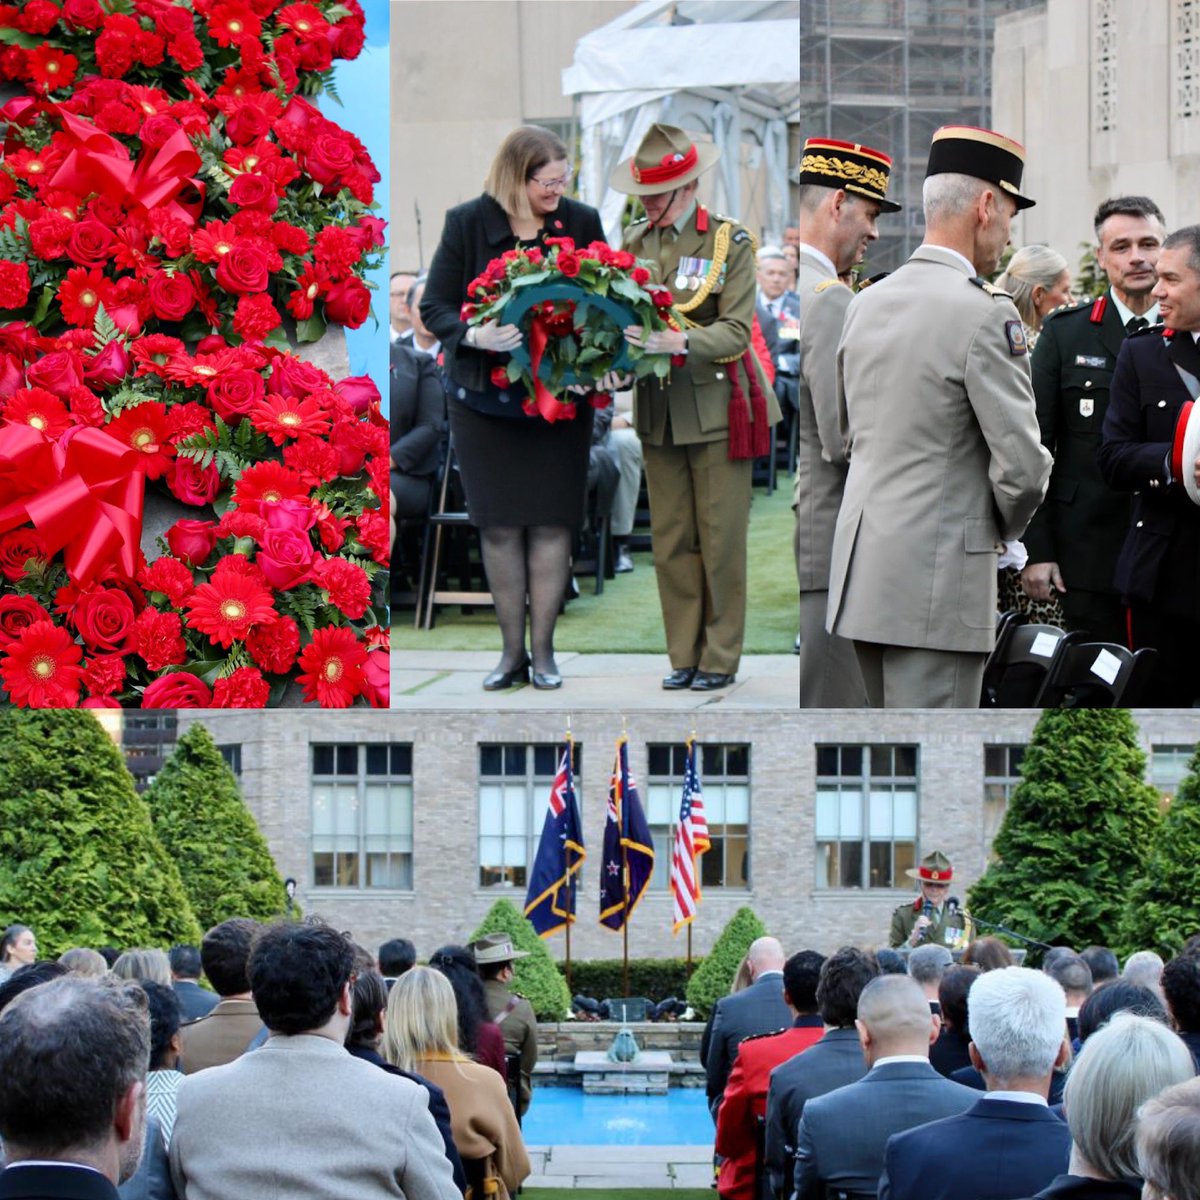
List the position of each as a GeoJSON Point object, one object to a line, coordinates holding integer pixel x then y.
{"type": "Point", "coordinates": [720, 254]}
{"type": "Point", "coordinates": [840, 168]}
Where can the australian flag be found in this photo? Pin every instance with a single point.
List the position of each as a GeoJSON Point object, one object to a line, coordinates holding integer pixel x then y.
{"type": "Point", "coordinates": [550, 901]}
{"type": "Point", "coordinates": [628, 849]}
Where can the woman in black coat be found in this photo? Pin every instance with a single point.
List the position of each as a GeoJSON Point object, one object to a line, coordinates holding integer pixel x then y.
{"type": "Point", "coordinates": [524, 477]}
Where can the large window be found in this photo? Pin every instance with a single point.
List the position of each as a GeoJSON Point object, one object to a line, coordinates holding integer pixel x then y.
{"type": "Point", "coordinates": [1168, 766]}
{"type": "Point", "coordinates": [514, 790]}
{"type": "Point", "coordinates": [866, 815]}
{"type": "Point", "coordinates": [362, 827]}
{"type": "Point", "coordinates": [725, 787]}
{"type": "Point", "coordinates": [232, 754]}
{"type": "Point", "coordinates": [1001, 774]}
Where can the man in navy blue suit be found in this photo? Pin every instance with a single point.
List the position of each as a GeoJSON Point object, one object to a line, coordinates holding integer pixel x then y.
{"type": "Point", "coordinates": [1158, 570]}
{"type": "Point", "coordinates": [1009, 1144]}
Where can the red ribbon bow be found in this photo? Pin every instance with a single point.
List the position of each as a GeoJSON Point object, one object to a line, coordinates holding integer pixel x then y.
{"type": "Point", "coordinates": [544, 400]}
{"type": "Point", "coordinates": [96, 162]}
{"type": "Point", "coordinates": [83, 493]}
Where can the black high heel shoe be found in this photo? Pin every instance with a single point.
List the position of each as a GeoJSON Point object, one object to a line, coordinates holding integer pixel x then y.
{"type": "Point", "coordinates": [497, 681]}
{"type": "Point", "coordinates": [546, 681]}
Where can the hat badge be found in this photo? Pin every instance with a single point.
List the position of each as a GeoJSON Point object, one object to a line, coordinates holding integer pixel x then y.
{"type": "Point", "coordinates": [935, 874]}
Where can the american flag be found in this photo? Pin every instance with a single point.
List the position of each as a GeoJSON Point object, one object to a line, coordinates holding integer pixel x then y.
{"type": "Point", "coordinates": [691, 840]}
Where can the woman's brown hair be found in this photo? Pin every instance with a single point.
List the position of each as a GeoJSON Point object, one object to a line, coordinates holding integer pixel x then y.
{"type": "Point", "coordinates": [521, 155]}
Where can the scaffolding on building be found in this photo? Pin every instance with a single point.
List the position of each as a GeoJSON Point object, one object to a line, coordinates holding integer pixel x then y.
{"type": "Point", "coordinates": [888, 73]}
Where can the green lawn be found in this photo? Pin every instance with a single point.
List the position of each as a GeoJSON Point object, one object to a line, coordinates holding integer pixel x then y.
{"type": "Point", "coordinates": [627, 618]}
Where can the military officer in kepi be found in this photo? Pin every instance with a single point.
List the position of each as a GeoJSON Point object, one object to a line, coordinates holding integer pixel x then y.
{"type": "Point", "coordinates": [929, 919]}
{"type": "Point", "coordinates": [703, 426]}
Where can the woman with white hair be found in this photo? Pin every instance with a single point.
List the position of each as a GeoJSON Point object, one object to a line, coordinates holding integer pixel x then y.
{"type": "Point", "coordinates": [420, 1035]}
{"type": "Point", "coordinates": [1121, 1067]}
{"type": "Point", "coordinates": [1168, 1144]}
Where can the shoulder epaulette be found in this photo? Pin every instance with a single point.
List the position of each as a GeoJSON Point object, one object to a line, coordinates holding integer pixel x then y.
{"type": "Point", "coordinates": [866, 283]}
{"type": "Point", "coordinates": [1063, 309]}
{"type": "Point", "coordinates": [825, 283]}
{"type": "Point", "coordinates": [758, 1037]}
{"type": "Point", "coordinates": [991, 289]}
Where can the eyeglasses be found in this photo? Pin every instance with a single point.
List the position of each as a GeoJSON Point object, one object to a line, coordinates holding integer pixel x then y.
{"type": "Point", "coordinates": [941, 887]}
{"type": "Point", "coordinates": [555, 185]}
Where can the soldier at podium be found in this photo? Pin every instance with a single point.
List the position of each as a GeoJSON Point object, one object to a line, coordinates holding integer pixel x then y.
{"type": "Point", "coordinates": [929, 920]}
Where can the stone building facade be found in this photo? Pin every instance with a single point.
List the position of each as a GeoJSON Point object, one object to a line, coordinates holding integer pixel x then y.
{"type": "Point", "coordinates": [814, 817]}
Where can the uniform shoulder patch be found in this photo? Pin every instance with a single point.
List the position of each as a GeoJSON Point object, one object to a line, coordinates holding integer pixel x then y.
{"type": "Point", "coordinates": [990, 288]}
{"type": "Point", "coordinates": [1017, 343]}
{"type": "Point", "coordinates": [741, 235]}
{"type": "Point", "coordinates": [1064, 309]}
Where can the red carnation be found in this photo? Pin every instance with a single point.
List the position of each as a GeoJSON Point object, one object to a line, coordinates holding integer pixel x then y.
{"type": "Point", "coordinates": [14, 284]}
{"type": "Point", "coordinates": [641, 276]}
{"type": "Point", "coordinates": [333, 668]}
{"type": "Point", "coordinates": [348, 585]}
{"type": "Point", "coordinates": [178, 690]}
{"type": "Point", "coordinates": [169, 577]}
{"type": "Point", "coordinates": [338, 249]}
{"type": "Point", "coordinates": [244, 688]}
{"type": "Point", "coordinates": [41, 669]}
{"type": "Point", "coordinates": [229, 607]}
{"type": "Point", "coordinates": [37, 16]}
{"type": "Point", "coordinates": [159, 639]}
{"type": "Point", "coordinates": [255, 317]}
{"type": "Point", "coordinates": [274, 645]}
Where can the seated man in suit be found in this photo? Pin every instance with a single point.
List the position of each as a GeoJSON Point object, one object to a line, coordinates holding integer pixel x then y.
{"type": "Point", "coordinates": [835, 1061]}
{"type": "Point", "coordinates": [300, 1117]}
{"type": "Point", "coordinates": [73, 1059]}
{"type": "Point", "coordinates": [745, 1100]}
{"type": "Point", "coordinates": [760, 1008]}
{"type": "Point", "coordinates": [842, 1135]}
{"type": "Point", "coordinates": [232, 1025]}
{"type": "Point", "coordinates": [1010, 1144]}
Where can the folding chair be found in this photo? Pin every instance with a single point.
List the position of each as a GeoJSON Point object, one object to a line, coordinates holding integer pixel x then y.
{"type": "Point", "coordinates": [1096, 675]}
{"type": "Point", "coordinates": [1017, 667]}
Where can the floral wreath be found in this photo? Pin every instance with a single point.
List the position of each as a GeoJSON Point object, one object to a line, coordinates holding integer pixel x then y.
{"type": "Point", "coordinates": [175, 220]}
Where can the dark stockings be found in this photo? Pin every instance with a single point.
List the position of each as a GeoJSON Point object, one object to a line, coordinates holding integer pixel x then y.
{"type": "Point", "coordinates": [533, 562]}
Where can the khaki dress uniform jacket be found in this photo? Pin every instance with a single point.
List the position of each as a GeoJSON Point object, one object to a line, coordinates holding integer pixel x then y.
{"type": "Point", "coordinates": [519, 1027]}
{"type": "Point", "coordinates": [699, 499]}
{"type": "Point", "coordinates": [829, 673]}
{"type": "Point", "coordinates": [943, 929]}
{"type": "Point", "coordinates": [945, 458]}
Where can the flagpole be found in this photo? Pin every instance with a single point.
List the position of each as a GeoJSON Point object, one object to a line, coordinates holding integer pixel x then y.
{"type": "Point", "coordinates": [570, 874]}
{"type": "Point", "coordinates": [691, 749]}
{"type": "Point", "coordinates": [624, 864]}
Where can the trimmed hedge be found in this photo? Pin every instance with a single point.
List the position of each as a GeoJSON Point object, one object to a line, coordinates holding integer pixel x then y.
{"type": "Point", "coordinates": [654, 978]}
{"type": "Point", "coordinates": [79, 859]}
{"type": "Point", "coordinates": [202, 820]}
{"type": "Point", "coordinates": [537, 977]}
{"type": "Point", "coordinates": [715, 976]}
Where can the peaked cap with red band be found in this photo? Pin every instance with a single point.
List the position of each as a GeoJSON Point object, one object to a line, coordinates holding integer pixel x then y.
{"type": "Point", "coordinates": [850, 166]}
{"type": "Point", "coordinates": [666, 159]}
{"type": "Point", "coordinates": [934, 868]}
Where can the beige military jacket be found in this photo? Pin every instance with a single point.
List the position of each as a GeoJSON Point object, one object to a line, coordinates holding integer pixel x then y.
{"type": "Point", "coordinates": [519, 1026]}
{"type": "Point", "coordinates": [697, 393]}
{"type": "Point", "coordinates": [946, 461]}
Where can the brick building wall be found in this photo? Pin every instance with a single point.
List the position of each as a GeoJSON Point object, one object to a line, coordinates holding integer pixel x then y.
{"type": "Point", "coordinates": [446, 902]}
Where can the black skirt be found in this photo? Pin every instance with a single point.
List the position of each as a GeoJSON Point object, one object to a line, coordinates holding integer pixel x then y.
{"type": "Point", "coordinates": [520, 472]}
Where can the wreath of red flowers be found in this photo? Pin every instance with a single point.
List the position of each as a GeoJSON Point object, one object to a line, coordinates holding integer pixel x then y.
{"type": "Point", "coordinates": [175, 220]}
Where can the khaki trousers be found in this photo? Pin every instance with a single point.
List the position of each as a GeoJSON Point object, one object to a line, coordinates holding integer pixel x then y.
{"type": "Point", "coordinates": [830, 676]}
{"type": "Point", "coordinates": [699, 517]}
{"type": "Point", "coordinates": [910, 677]}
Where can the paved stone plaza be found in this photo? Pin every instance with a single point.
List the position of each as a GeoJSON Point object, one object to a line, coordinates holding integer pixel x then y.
{"type": "Point", "coordinates": [604, 1168]}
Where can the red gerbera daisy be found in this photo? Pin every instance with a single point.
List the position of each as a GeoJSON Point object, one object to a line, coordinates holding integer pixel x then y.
{"type": "Point", "coordinates": [81, 293]}
{"type": "Point", "coordinates": [229, 607]}
{"type": "Point", "coordinates": [304, 20]}
{"type": "Point", "coordinates": [39, 408]}
{"type": "Point", "coordinates": [213, 240]}
{"type": "Point", "coordinates": [268, 482]}
{"type": "Point", "coordinates": [50, 69]}
{"type": "Point", "coordinates": [282, 419]}
{"type": "Point", "coordinates": [333, 668]}
{"type": "Point", "coordinates": [229, 23]}
{"type": "Point", "coordinates": [154, 352]}
{"type": "Point", "coordinates": [145, 429]}
{"type": "Point", "coordinates": [41, 669]}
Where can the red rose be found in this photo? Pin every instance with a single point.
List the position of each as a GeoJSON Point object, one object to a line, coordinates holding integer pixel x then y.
{"type": "Point", "coordinates": [245, 688]}
{"type": "Point", "coordinates": [330, 156]}
{"type": "Point", "coordinates": [83, 14]}
{"type": "Point", "coordinates": [623, 259]}
{"type": "Point", "coordinates": [104, 619]}
{"type": "Point", "coordinates": [234, 393]}
{"type": "Point", "coordinates": [90, 244]}
{"type": "Point", "coordinates": [376, 674]}
{"type": "Point", "coordinates": [247, 124]}
{"type": "Point", "coordinates": [191, 484]}
{"type": "Point", "coordinates": [171, 296]}
{"type": "Point", "coordinates": [58, 372]}
{"type": "Point", "coordinates": [295, 380]}
{"type": "Point", "coordinates": [14, 284]}
{"type": "Point", "coordinates": [253, 191]}
{"type": "Point", "coordinates": [243, 270]}
{"type": "Point", "coordinates": [192, 541]}
{"type": "Point", "coordinates": [348, 302]}
{"type": "Point", "coordinates": [294, 515]}
{"type": "Point", "coordinates": [499, 377]}
{"type": "Point", "coordinates": [286, 557]}
{"type": "Point", "coordinates": [109, 367]}
{"type": "Point", "coordinates": [568, 263]}
{"type": "Point", "coordinates": [369, 232]}
{"type": "Point", "coordinates": [359, 391]}
{"type": "Point", "coordinates": [641, 276]}
{"type": "Point", "coordinates": [181, 690]}
{"type": "Point", "coordinates": [17, 613]}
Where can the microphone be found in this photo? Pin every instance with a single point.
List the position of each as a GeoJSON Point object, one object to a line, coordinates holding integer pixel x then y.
{"type": "Point", "coordinates": [926, 911]}
{"type": "Point", "coordinates": [952, 903]}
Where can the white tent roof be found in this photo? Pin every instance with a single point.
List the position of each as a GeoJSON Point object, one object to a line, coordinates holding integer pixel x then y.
{"type": "Point", "coordinates": [726, 68]}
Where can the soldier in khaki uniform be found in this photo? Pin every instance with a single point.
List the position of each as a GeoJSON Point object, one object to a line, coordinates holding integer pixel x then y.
{"type": "Point", "coordinates": [928, 920]}
{"type": "Point", "coordinates": [494, 956]}
{"type": "Point", "coordinates": [699, 495]}
{"type": "Point", "coordinates": [843, 189]}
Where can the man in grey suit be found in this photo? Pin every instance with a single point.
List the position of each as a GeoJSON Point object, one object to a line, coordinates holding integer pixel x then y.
{"type": "Point", "coordinates": [946, 459]}
{"type": "Point", "coordinates": [842, 192]}
{"type": "Point", "coordinates": [760, 1008]}
{"type": "Point", "coordinates": [301, 1117]}
{"type": "Point", "coordinates": [843, 1134]}
{"type": "Point", "coordinates": [835, 1061]}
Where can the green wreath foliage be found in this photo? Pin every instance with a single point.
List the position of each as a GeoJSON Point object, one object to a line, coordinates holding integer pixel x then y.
{"type": "Point", "coordinates": [538, 978]}
{"type": "Point", "coordinates": [714, 977]}
{"type": "Point", "coordinates": [1078, 832]}
{"type": "Point", "coordinates": [79, 859]}
{"type": "Point", "coordinates": [205, 826]}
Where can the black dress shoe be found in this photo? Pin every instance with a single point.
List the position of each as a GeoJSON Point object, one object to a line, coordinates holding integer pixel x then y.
{"type": "Point", "coordinates": [497, 681]}
{"type": "Point", "coordinates": [709, 681]}
{"type": "Point", "coordinates": [679, 679]}
{"type": "Point", "coordinates": [546, 681]}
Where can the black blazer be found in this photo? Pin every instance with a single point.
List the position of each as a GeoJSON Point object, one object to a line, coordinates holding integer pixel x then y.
{"type": "Point", "coordinates": [194, 1001]}
{"type": "Point", "coordinates": [760, 1008]}
{"type": "Point", "coordinates": [1161, 555]}
{"type": "Point", "coordinates": [474, 234]}
{"type": "Point", "coordinates": [417, 412]}
{"type": "Point", "coordinates": [54, 1183]}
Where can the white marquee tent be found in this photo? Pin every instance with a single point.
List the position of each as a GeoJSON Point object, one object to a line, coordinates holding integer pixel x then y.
{"type": "Point", "coordinates": [728, 70]}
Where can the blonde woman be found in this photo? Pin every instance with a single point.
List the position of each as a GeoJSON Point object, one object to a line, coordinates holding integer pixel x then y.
{"type": "Point", "coordinates": [421, 1035]}
{"type": "Point", "coordinates": [144, 964]}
